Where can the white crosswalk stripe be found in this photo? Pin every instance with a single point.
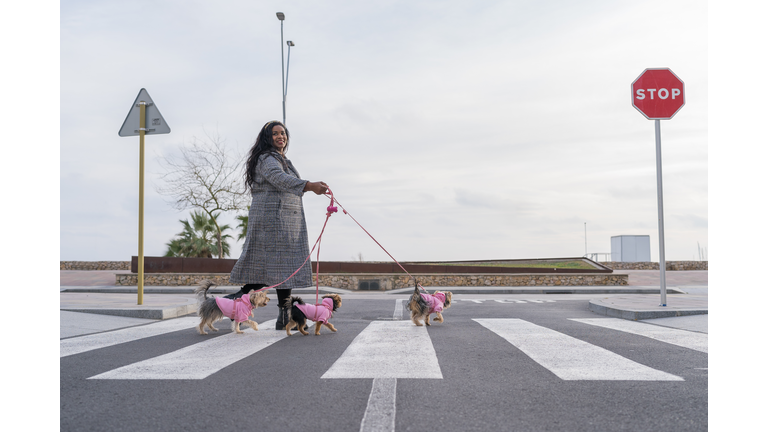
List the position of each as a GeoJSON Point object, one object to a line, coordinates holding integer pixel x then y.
{"type": "Point", "coordinates": [398, 314]}
{"type": "Point", "coordinates": [200, 360]}
{"type": "Point", "coordinates": [388, 349]}
{"type": "Point", "coordinates": [683, 338]}
{"type": "Point", "coordinates": [77, 345]}
{"type": "Point", "coordinates": [570, 358]}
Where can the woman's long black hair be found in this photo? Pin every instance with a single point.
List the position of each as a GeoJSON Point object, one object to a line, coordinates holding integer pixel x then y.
{"type": "Point", "coordinates": [262, 145]}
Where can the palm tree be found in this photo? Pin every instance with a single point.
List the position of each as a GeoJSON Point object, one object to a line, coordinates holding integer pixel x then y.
{"type": "Point", "coordinates": [243, 225]}
{"type": "Point", "coordinates": [199, 239]}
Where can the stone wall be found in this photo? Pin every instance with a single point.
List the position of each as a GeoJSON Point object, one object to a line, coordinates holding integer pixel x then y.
{"type": "Point", "coordinates": [94, 265]}
{"type": "Point", "coordinates": [172, 279]}
{"type": "Point", "coordinates": [126, 265]}
{"type": "Point", "coordinates": [389, 281]}
{"type": "Point", "coordinates": [671, 265]}
{"type": "Point", "coordinates": [687, 265]}
{"type": "Point", "coordinates": [617, 265]}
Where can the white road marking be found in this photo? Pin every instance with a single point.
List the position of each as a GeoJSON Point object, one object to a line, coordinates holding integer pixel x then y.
{"type": "Point", "coordinates": [506, 301]}
{"type": "Point", "coordinates": [683, 338]}
{"type": "Point", "coordinates": [200, 360]}
{"type": "Point", "coordinates": [380, 413]}
{"type": "Point", "coordinates": [77, 345]}
{"type": "Point", "coordinates": [398, 309]}
{"type": "Point", "coordinates": [570, 358]}
{"type": "Point", "coordinates": [388, 349]}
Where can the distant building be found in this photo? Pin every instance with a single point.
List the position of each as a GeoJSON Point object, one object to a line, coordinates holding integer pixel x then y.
{"type": "Point", "coordinates": [631, 248]}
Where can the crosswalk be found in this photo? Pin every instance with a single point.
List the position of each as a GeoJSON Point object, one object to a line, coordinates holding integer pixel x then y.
{"type": "Point", "coordinates": [393, 349]}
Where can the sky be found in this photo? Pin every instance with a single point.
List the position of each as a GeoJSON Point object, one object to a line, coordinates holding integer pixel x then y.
{"type": "Point", "coordinates": [450, 130]}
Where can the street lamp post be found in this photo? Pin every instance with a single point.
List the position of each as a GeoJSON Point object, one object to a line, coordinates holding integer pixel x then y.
{"type": "Point", "coordinates": [281, 17]}
{"type": "Point", "coordinates": [287, 69]}
{"type": "Point", "coordinates": [284, 73]}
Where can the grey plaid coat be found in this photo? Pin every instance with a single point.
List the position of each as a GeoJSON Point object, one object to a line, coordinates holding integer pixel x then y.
{"type": "Point", "coordinates": [276, 243]}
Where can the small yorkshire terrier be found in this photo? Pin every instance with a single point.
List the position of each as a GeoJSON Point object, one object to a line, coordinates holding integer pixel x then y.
{"type": "Point", "coordinates": [238, 310]}
{"type": "Point", "coordinates": [320, 314]}
{"type": "Point", "coordinates": [422, 305]}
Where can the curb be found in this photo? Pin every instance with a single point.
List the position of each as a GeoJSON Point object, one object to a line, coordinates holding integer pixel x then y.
{"type": "Point", "coordinates": [598, 307]}
{"type": "Point", "coordinates": [154, 313]}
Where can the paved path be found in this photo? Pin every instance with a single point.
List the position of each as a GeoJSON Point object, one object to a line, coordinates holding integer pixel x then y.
{"type": "Point", "coordinates": [88, 278]}
{"type": "Point", "coordinates": [674, 278]}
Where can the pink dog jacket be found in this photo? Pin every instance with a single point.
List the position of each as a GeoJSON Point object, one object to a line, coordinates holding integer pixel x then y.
{"type": "Point", "coordinates": [238, 309]}
{"type": "Point", "coordinates": [435, 302]}
{"type": "Point", "coordinates": [319, 313]}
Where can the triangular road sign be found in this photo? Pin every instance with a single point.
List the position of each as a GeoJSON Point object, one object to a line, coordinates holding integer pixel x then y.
{"type": "Point", "coordinates": [155, 123]}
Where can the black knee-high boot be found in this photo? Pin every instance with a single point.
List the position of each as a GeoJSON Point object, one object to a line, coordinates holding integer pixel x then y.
{"type": "Point", "coordinates": [282, 315]}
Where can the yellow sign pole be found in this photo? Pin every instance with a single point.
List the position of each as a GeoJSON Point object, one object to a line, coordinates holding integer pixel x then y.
{"type": "Point", "coordinates": [142, 129]}
{"type": "Point", "coordinates": [146, 107]}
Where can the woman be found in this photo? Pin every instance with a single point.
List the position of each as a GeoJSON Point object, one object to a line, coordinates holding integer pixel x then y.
{"type": "Point", "coordinates": [276, 243]}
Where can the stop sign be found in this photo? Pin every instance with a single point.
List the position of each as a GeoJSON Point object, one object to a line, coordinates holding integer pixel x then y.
{"type": "Point", "coordinates": [658, 94]}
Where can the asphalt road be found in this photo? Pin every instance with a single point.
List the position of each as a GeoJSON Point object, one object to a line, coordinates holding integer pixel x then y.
{"type": "Point", "coordinates": [511, 364]}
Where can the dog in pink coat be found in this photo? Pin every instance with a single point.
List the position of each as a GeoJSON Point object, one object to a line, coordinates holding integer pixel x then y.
{"type": "Point", "coordinates": [238, 310]}
{"type": "Point", "coordinates": [299, 312]}
{"type": "Point", "coordinates": [422, 305]}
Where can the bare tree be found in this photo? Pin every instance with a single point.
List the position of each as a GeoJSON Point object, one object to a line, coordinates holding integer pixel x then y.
{"type": "Point", "coordinates": [204, 176]}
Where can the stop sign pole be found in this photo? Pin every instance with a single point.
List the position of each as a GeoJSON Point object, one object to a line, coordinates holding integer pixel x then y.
{"type": "Point", "coordinates": [659, 94]}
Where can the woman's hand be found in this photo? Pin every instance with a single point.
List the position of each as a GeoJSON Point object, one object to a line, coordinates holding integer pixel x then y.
{"type": "Point", "coordinates": [318, 188]}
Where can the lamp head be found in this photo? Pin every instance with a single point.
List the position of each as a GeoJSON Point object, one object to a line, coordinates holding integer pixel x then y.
{"type": "Point", "coordinates": [280, 16]}
{"type": "Point", "coordinates": [290, 43]}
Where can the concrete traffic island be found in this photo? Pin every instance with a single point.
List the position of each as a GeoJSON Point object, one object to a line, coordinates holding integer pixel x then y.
{"type": "Point", "coordinates": [106, 302]}
{"type": "Point", "coordinates": [647, 306]}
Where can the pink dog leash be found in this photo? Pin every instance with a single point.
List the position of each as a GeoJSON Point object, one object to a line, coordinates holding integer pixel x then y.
{"type": "Point", "coordinates": [369, 235]}
{"type": "Point", "coordinates": [330, 210]}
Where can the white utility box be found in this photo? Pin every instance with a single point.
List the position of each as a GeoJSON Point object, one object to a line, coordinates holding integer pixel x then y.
{"type": "Point", "coordinates": [631, 248]}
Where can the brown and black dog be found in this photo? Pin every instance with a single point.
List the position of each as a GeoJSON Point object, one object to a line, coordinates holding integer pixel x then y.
{"type": "Point", "coordinates": [210, 309]}
{"type": "Point", "coordinates": [299, 312]}
{"type": "Point", "coordinates": [422, 305]}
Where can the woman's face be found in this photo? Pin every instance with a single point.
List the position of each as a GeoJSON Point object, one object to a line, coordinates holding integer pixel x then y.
{"type": "Point", "coordinates": [279, 138]}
